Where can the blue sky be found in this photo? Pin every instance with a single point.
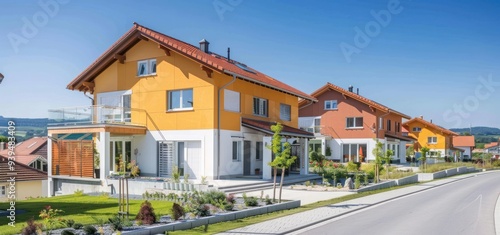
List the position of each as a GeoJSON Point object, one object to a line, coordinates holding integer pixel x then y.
{"type": "Point", "coordinates": [439, 59]}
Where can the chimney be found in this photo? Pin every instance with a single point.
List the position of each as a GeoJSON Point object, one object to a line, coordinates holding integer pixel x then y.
{"type": "Point", "coordinates": [350, 89]}
{"type": "Point", "coordinates": [421, 117]}
{"type": "Point", "coordinates": [204, 45]}
{"type": "Point", "coordinates": [229, 54]}
{"type": "Point", "coordinates": [431, 120]}
{"type": "Point", "coordinates": [357, 91]}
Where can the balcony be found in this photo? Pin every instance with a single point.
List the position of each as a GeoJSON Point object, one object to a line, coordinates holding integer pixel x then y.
{"type": "Point", "coordinates": [96, 114]}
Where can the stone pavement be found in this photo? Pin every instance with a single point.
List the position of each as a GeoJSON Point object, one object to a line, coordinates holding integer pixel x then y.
{"type": "Point", "coordinates": [290, 223]}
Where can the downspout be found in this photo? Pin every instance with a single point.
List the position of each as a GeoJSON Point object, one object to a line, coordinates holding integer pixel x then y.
{"type": "Point", "coordinates": [92, 99]}
{"type": "Point", "coordinates": [218, 122]}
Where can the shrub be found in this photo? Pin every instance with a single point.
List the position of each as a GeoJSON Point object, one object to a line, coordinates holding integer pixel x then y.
{"type": "Point", "coordinates": [146, 214]}
{"type": "Point", "coordinates": [213, 197]}
{"type": "Point", "coordinates": [67, 232]}
{"type": "Point", "coordinates": [70, 223]}
{"type": "Point", "coordinates": [268, 200]}
{"type": "Point", "coordinates": [353, 166]}
{"type": "Point", "coordinates": [31, 227]}
{"type": "Point", "coordinates": [357, 181]}
{"type": "Point", "coordinates": [250, 201]}
{"type": "Point", "coordinates": [228, 206]}
{"type": "Point", "coordinates": [116, 223]}
{"type": "Point", "coordinates": [77, 226]}
{"type": "Point", "coordinates": [177, 211]}
{"type": "Point", "coordinates": [90, 230]}
{"type": "Point", "coordinates": [202, 210]}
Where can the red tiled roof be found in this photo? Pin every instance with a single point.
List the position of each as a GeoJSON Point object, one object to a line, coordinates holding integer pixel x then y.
{"type": "Point", "coordinates": [464, 141]}
{"type": "Point", "coordinates": [492, 144]}
{"type": "Point", "coordinates": [265, 127]}
{"type": "Point", "coordinates": [355, 96]}
{"type": "Point", "coordinates": [28, 159]}
{"type": "Point", "coordinates": [211, 60]}
{"type": "Point", "coordinates": [27, 147]}
{"type": "Point", "coordinates": [23, 172]}
{"type": "Point", "coordinates": [429, 124]}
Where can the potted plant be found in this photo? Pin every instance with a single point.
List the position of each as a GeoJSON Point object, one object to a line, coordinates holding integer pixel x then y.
{"type": "Point", "coordinates": [97, 164]}
{"type": "Point", "coordinates": [257, 171]}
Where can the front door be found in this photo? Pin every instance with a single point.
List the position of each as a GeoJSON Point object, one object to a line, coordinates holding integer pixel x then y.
{"type": "Point", "coordinates": [246, 157]}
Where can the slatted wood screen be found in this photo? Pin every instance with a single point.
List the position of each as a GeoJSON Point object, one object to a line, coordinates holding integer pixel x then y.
{"type": "Point", "coordinates": [73, 157]}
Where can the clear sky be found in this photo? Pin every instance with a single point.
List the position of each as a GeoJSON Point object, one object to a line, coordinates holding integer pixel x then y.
{"type": "Point", "coordinates": [439, 59]}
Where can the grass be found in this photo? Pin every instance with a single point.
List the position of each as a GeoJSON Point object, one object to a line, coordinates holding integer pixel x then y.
{"type": "Point", "coordinates": [432, 168]}
{"type": "Point", "coordinates": [78, 208]}
{"type": "Point", "coordinates": [225, 226]}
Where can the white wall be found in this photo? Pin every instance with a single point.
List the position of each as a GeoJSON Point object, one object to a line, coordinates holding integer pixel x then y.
{"type": "Point", "coordinates": [336, 147]}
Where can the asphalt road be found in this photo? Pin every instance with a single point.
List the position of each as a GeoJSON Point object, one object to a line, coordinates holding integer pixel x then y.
{"type": "Point", "coordinates": [462, 207]}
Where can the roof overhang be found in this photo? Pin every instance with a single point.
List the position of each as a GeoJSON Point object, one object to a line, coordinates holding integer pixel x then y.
{"type": "Point", "coordinates": [111, 128]}
{"type": "Point", "coordinates": [265, 127]}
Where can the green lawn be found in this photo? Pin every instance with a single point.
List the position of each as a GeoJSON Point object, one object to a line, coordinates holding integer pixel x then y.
{"type": "Point", "coordinates": [78, 208]}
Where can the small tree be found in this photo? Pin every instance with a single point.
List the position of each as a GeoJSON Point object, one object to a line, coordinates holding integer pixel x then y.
{"type": "Point", "coordinates": [424, 151]}
{"type": "Point", "coordinates": [387, 160]}
{"type": "Point", "coordinates": [379, 155]}
{"type": "Point", "coordinates": [282, 158]}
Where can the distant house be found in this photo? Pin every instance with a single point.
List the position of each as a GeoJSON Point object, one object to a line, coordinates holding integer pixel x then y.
{"type": "Point", "coordinates": [31, 152]}
{"type": "Point", "coordinates": [493, 148]}
{"type": "Point", "coordinates": [28, 182]}
{"type": "Point", "coordinates": [346, 125]}
{"type": "Point", "coordinates": [465, 143]}
{"type": "Point", "coordinates": [438, 139]}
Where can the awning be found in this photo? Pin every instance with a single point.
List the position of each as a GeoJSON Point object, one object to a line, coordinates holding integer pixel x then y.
{"type": "Point", "coordinates": [265, 127]}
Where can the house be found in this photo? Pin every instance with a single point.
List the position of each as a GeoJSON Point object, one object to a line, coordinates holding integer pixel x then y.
{"type": "Point", "coordinates": [31, 152]}
{"type": "Point", "coordinates": [493, 148]}
{"type": "Point", "coordinates": [165, 103]}
{"type": "Point", "coordinates": [346, 125]}
{"type": "Point", "coordinates": [438, 139]}
{"type": "Point", "coordinates": [466, 144]}
{"type": "Point", "coordinates": [28, 182]}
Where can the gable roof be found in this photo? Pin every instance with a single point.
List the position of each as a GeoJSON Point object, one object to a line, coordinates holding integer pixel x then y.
{"type": "Point", "coordinates": [429, 124]}
{"type": "Point", "coordinates": [352, 95]}
{"type": "Point", "coordinates": [464, 141]}
{"type": "Point", "coordinates": [27, 147]}
{"type": "Point", "coordinates": [211, 60]}
{"type": "Point", "coordinates": [23, 172]}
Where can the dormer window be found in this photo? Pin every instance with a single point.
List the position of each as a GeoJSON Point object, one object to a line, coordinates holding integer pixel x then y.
{"type": "Point", "coordinates": [146, 67]}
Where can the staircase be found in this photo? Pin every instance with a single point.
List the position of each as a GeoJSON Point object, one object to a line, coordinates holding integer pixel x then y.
{"type": "Point", "coordinates": [243, 188]}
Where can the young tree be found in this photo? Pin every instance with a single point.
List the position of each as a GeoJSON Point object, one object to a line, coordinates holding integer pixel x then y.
{"type": "Point", "coordinates": [424, 151]}
{"type": "Point", "coordinates": [387, 160]}
{"type": "Point", "coordinates": [282, 158]}
{"type": "Point", "coordinates": [379, 155]}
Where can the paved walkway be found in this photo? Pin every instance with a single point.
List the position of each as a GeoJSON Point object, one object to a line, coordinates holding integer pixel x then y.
{"type": "Point", "coordinates": [301, 220]}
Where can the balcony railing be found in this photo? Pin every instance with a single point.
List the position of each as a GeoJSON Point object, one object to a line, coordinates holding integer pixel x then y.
{"type": "Point", "coordinates": [97, 114]}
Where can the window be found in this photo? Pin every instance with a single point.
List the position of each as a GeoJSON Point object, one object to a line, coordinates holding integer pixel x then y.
{"type": "Point", "coordinates": [180, 99]}
{"type": "Point", "coordinates": [285, 111]}
{"type": "Point", "coordinates": [236, 150]}
{"type": "Point", "coordinates": [330, 104]}
{"type": "Point", "coordinates": [260, 107]}
{"type": "Point", "coordinates": [259, 151]}
{"type": "Point", "coordinates": [354, 152]}
{"type": "Point", "coordinates": [3, 190]}
{"type": "Point", "coordinates": [146, 67]}
{"type": "Point", "coordinates": [354, 122]}
{"type": "Point", "coordinates": [398, 127]}
{"type": "Point", "coordinates": [416, 129]}
{"type": "Point", "coordinates": [231, 100]}
{"type": "Point", "coordinates": [432, 140]}
{"type": "Point", "coordinates": [388, 125]}
{"type": "Point", "coordinates": [317, 125]}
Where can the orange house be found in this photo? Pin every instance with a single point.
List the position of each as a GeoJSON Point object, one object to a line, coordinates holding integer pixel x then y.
{"type": "Point", "coordinates": [346, 125]}
{"type": "Point", "coordinates": [165, 103]}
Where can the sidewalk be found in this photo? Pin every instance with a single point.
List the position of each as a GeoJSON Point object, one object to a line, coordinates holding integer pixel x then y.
{"type": "Point", "coordinates": [301, 220]}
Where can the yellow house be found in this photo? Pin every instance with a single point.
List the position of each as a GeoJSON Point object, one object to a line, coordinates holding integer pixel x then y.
{"type": "Point", "coordinates": [20, 182]}
{"type": "Point", "coordinates": [439, 140]}
{"type": "Point", "coordinates": [163, 103]}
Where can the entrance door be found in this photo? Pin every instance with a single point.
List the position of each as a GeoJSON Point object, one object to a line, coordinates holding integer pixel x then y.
{"type": "Point", "coordinates": [246, 157]}
{"type": "Point", "coordinates": [192, 159]}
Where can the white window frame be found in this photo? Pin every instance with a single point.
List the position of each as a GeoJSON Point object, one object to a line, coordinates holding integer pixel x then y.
{"type": "Point", "coordinates": [316, 128]}
{"type": "Point", "coordinates": [263, 107]}
{"type": "Point", "coordinates": [285, 112]}
{"type": "Point", "coordinates": [354, 120]}
{"type": "Point", "coordinates": [181, 100]}
{"type": "Point", "coordinates": [331, 103]}
{"type": "Point", "coordinates": [416, 129]}
{"type": "Point", "coordinates": [148, 69]}
{"type": "Point", "coordinates": [3, 190]}
{"type": "Point", "coordinates": [432, 140]}
{"type": "Point", "coordinates": [238, 151]}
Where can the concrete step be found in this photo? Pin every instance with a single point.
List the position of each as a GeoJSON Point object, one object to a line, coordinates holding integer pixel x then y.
{"type": "Point", "coordinates": [264, 185]}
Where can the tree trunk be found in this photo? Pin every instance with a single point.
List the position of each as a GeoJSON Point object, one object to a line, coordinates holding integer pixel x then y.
{"type": "Point", "coordinates": [275, 169]}
{"type": "Point", "coordinates": [281, 183]}
{"type": "Point", "coordinates": [387, 171]}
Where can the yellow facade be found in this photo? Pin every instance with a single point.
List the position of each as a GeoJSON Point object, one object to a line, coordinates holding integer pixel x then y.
{"type": "Point", "coordinates": [27, 189]}
{"type": "Point", "coordinates": [443, 139]}
{"type": "Point", "coordinates": [177, 72]}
